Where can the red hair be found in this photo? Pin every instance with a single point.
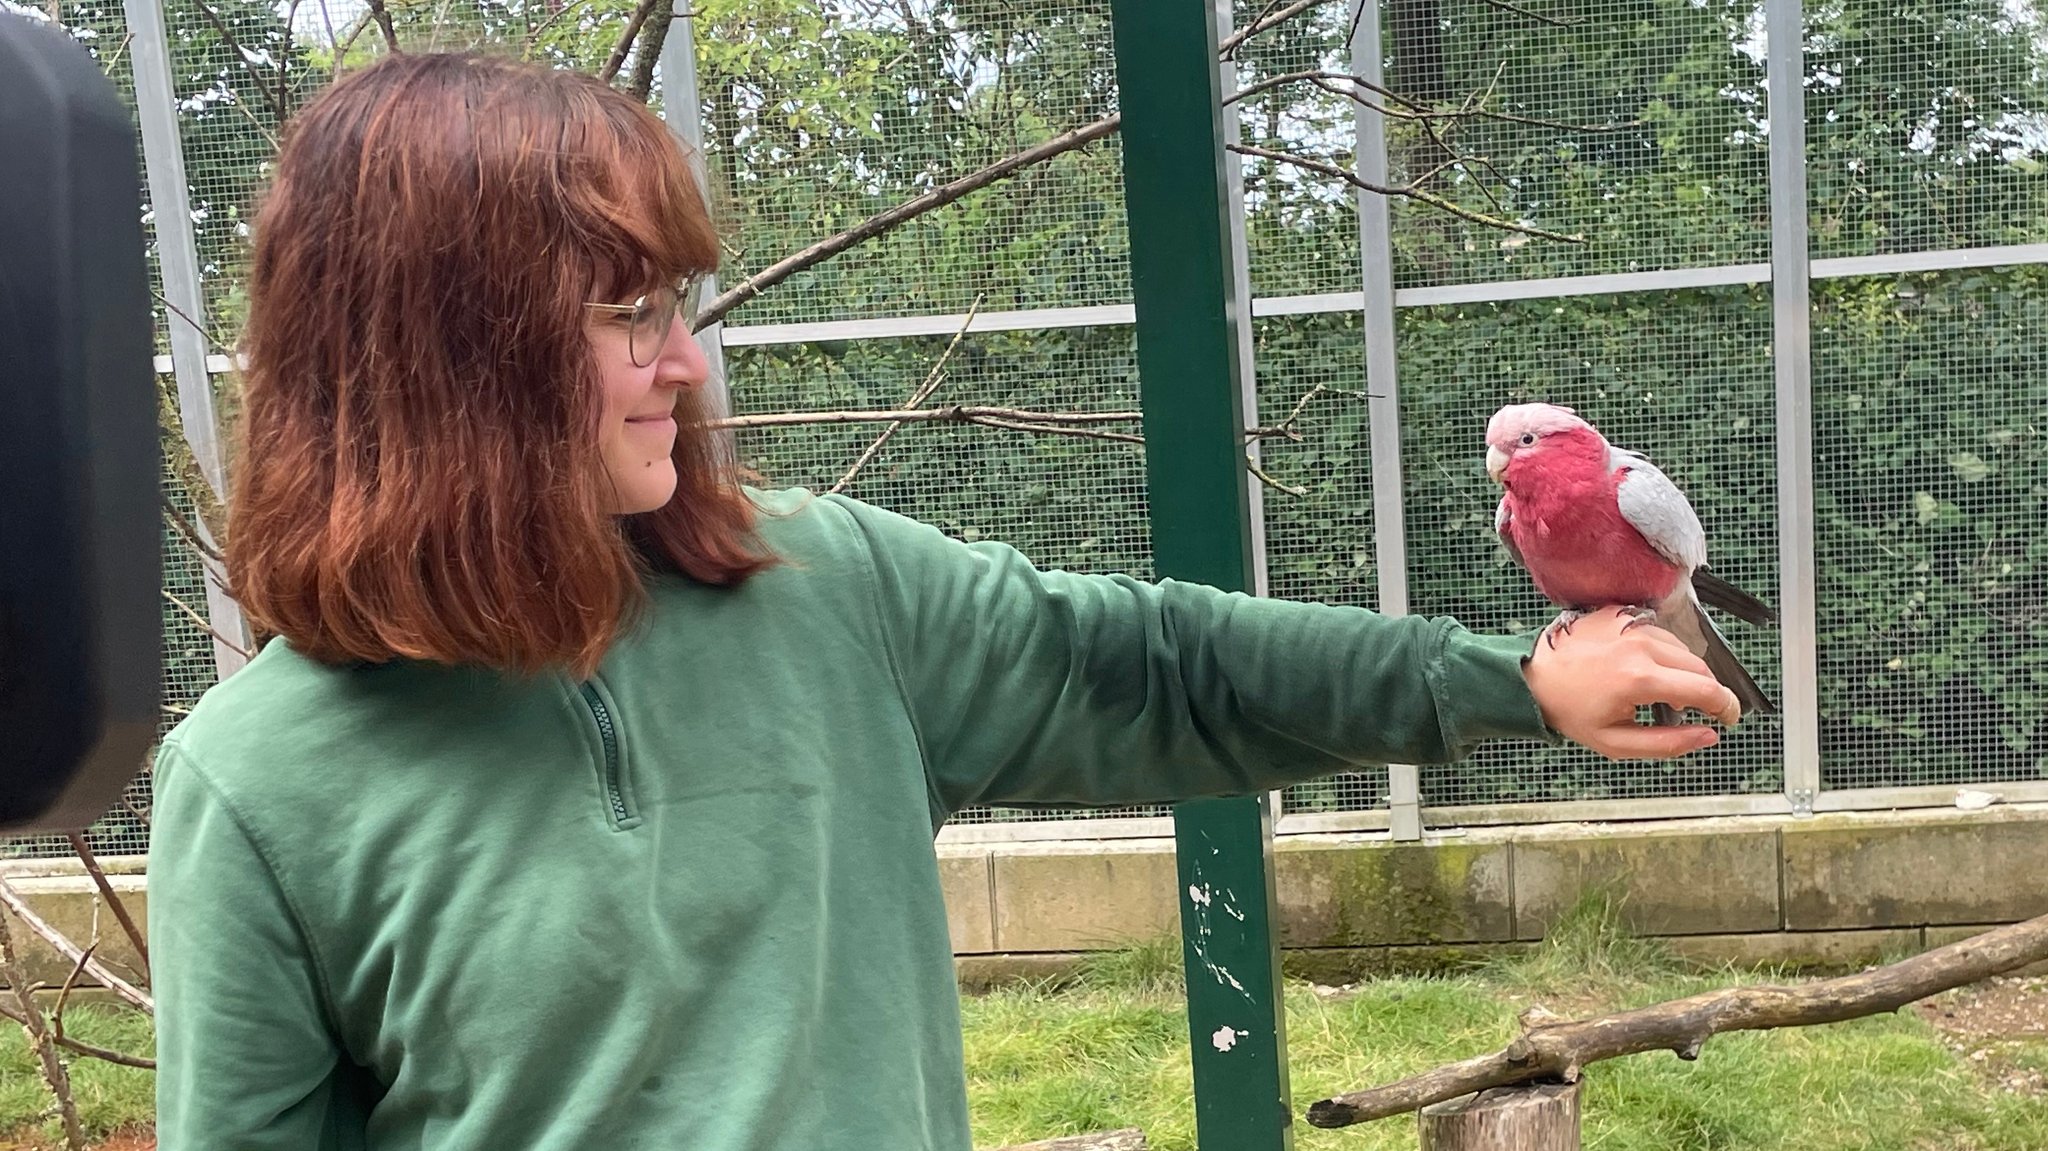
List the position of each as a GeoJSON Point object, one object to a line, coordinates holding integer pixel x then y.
{"type": "Point", "coordinates": [418, 473]}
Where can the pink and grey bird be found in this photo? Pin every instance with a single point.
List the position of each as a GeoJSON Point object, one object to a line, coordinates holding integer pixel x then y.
{"type": "Point", "coordinates": [1599, 526]}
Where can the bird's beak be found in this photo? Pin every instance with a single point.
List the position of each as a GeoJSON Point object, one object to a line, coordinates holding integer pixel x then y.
{"type": "Point", "coordinates": [1496, 462]}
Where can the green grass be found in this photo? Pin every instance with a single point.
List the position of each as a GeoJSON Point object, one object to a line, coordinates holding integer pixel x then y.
{"type": "Point", "coordinates": [109, 1097]}
{"type": "Point", "coordinates": [1109, 1049]}
{"type": "Point", "coordinates": [1100, 1055]}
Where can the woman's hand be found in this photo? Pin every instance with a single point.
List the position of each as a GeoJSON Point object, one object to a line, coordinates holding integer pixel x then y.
{"type": "Point", "coordinates": [1590, 680]}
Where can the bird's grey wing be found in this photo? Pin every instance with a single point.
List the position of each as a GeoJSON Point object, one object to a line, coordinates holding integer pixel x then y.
{"type": "Point", "coordinates": [1501, 517]}
{"type": "Point", "coordinates": [1654, 506]}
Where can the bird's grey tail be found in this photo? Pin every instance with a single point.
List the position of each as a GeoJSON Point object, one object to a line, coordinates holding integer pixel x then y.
{"type": "Point", "coordinates": [1717, 592]}
{"type": "Point", "coordinates": [1730, 672]}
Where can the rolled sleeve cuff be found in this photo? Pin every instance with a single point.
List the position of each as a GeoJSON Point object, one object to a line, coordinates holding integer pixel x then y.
{"type": "Point", "coordinates": [1481, 691]}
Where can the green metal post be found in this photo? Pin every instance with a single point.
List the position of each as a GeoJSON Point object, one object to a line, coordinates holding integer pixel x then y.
{"type": "Point", "coordinates": [1183, 286]}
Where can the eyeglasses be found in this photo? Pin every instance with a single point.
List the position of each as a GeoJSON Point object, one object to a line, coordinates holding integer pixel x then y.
{"type": "Point", "coordinates": [653, 316]}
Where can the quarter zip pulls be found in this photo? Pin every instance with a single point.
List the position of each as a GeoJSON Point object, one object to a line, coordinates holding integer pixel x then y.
{"type": "Point", "coordinates": [610, 771]}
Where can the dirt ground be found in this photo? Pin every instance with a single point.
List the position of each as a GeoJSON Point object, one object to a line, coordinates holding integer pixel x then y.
{"type": "Point", "coordinates": [1999, 1026]}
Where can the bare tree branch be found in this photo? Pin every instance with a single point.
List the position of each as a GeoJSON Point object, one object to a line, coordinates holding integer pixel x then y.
{"type": "Point", "coordinates": [1270, 481]}
{"type": "Point", "coordinates": [201, 620]}
{"type": "Point", "coordinates": [242, 54]}
{"type": "Point", "coordinates": [1540, 18]}
{"type": "Point", "coordinates": [113, 898]}
{"type": "Point", "coordinates": [84, 1048]}
{"type": "Point", "coordinates": [1406, 191]}
{"type": "Point", "coordinates": [30, 1016]}
{"type": "Point", "coordinates": [1560, 1050]}
{"type": "Point", "coordinates": [1038, 429]}
{"type": "Point", "coordinates": [641, 83]}
{"type": "Point", "coordinates": [120, 987]}
{"type": "Point", "coordinates": [533, 34]}
{"type": "Point", "coordinates": [114, 60]}
{"type": "Point", "coordinates": [882, 222]}
{"type": "Point", "coordinates": [924, 392]}
{"type": "Point", "coordinates": [383, 19]}
{"type": "Point", "coordinates": [1228, 49]}
{"type": "Point", "coordinates": [184, 528]}
{"type": "Point", "coordinates": [627, 35]}
{"type": "Point", "coordinates": [1409, 108]}
{"type": "Point", "coordinates": [953, 413]}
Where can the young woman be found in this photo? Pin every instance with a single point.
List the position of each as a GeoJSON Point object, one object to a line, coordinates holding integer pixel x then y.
{"type": "Point", "coordinates": [585, 799]}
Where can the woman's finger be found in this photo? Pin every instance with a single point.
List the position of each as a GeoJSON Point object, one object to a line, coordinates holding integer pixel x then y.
{"type": "Point", "coordinates": [1698, 691]}
{"type": "Point", "coordinates": [1633, 741]}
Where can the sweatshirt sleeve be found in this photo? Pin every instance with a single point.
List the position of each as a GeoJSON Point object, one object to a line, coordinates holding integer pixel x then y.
{"type": "Point", "coordinates": [1034, 687]}
{"type": "Point", "coordinates": [245, 1061]}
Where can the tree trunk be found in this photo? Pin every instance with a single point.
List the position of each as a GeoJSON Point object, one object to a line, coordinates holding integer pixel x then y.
{"type": "Point", "coordinates": [1541, 1117]}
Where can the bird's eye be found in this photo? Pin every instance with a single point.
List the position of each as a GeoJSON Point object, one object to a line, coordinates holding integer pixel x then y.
{"type": "Point", "coordinates": [1528, 439]}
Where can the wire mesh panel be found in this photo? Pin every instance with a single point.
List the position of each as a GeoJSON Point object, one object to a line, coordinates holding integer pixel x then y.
{"type": "Point", "coordinates": [1930, 499]}
{"type": "Point", "coordinates": [1065, 501]}
{"type": "Point", "coordinates": [1301, 227]}
{"type": "Point", "coordinates": [1637, 123]}
{"type": "Point", "coordinates": [1319, 536]}
{"type": "Point", "coordinates": [1683, 377]}
{"type": "Point", "coordinates": [1926, 125]}
{"type": "Point", "coordinates": [820, 115]}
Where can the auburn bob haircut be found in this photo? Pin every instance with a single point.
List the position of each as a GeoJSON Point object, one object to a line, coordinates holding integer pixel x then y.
{"type": "Point", "coordinates": [418, 473]}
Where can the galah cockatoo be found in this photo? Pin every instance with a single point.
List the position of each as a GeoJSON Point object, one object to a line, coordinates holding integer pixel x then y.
{"type": "Point", "coordinates": [1599, 526]}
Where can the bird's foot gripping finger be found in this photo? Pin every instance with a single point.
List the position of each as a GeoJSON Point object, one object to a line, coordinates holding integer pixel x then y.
{"type": "Point", "coordinates": [1562, 625]}
{"type": "Point", "coordinates": [1637, 616]}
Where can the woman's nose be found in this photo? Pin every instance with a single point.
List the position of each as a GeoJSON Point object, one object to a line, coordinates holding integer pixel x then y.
{"type": "Point", "coordinates": [683, 359]}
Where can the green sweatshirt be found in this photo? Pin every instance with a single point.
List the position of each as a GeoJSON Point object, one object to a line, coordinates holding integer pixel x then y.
{"type": "Point", "coordinates": [693, 903]}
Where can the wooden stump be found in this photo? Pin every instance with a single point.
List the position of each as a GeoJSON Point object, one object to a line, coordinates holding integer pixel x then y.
{"type": "Point", "coordinates": [1127, 1139]}
{"type": "Point", "coordinates": [1539, 1117]}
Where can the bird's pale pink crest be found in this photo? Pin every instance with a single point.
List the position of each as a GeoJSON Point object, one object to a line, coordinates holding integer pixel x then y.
{"type": "Point", "coordinates": [1511, 423]}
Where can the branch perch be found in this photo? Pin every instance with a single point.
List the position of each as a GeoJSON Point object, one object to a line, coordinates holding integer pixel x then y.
{"type": "Point", "coordinates": [627, 35]}
{"type": "Point", "coordinates": [36, 924]}
{"type": "Point", "coordinates": [951, 413]}
{"type": "Point", "coordinates": [30, 1016]}
{"type": "Point", "coordinates": [1406, 191]}
{"type": "Point", "coordinates": [115, 904]}
{"type": "Point", "coordinates": [882, 222]}
{"type": "Point", "coordinates": [1560, 1050]}
{"type": "Point", "coordinates": [924, 391]}
{"type": "Point", "coordinates": [84, 1048]}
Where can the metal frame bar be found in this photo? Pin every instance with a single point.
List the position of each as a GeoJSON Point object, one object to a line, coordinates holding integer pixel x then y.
{"type": "Point", "coordinates": [1944, 260]}
{"type": "Point", "coordinates": [683, 108]}
{"type": "Point", "coordinates": [1241, 305]}
{"type": "Point", "coordinates": [1382, 377]}
{"type": "Point", "coordinates": [1444, 817]}
{"type": "Point", "coordinates": [1791, 314]}
{"type": "Point", "coordinates": [1325, 303]}
{"type": "Point", "coordinates": [178, 260]}
{"type": "Point", "coordinates": [1038, 830]}
{"type": "Point", "coordinates": [1186, 291]}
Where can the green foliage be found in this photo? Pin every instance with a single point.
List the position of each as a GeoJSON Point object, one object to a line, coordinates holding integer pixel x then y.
{"type": "Point", "coordinates": [1116, 1055]}
{"type": "Point", "coordinates": [110, 1097]}
{"type": "Point", "coordinates": [819, 116]}
{"type": "Point", "coordinates": [1933, 492]}
{"type": "Point", "coordinates": [1588, 948]}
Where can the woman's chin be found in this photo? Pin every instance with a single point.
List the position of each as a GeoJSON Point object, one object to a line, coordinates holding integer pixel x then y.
{"type": "Point", "coordinates": [646, 490]}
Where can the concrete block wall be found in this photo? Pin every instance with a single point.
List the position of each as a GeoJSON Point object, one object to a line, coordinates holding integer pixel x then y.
{"type": "Point", "coordinates": [1836, 890]}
